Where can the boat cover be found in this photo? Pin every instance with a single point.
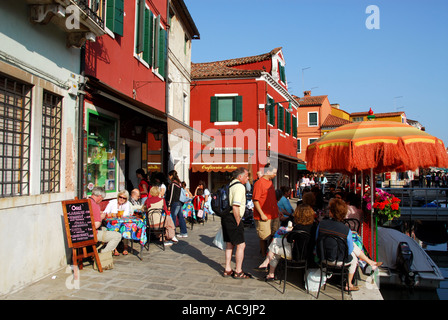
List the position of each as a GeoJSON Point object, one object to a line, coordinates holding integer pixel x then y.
{"type": "Point", "coordinates": [388, 240]}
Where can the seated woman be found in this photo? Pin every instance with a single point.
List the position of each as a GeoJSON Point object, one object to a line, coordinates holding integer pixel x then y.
{"type": "Point", "coordinates": [354, 210]}
{"type": "Point", "coordinates": [284, 206]}
{"type": "Point", "coordinates": [154, 201]}
{"type": "Point", "coordinates": [120, 207]}
{"type": "Point", "coordinates": [334, 225]}
{"type": "Point", "coordinates": [304, 220]}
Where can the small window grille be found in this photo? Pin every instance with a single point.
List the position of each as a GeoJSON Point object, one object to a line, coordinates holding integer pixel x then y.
{"type": "Point", "coordinates": [51, 143]}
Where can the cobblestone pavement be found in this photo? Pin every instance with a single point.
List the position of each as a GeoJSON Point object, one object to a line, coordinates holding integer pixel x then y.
{"type": "Point", "coordinates": [189, 270]}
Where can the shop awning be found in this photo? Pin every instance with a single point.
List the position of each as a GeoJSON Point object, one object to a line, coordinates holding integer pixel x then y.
{"type": "Point", "coordinates": [184, 131]}
{"type": "Point", "coordinates": [301, 166]}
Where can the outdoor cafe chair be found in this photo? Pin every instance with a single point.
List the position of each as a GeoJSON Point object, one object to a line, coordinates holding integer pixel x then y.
{"type": "Point", "coordinates": [299, 240]}
{"type": "Point", "coordinates": [155, 226]}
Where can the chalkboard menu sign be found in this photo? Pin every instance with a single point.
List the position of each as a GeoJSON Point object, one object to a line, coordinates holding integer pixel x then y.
{"type": "Point", "coordinates": [79, 223]}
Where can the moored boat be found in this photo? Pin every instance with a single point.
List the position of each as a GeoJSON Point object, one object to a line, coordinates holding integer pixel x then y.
{"type": "Point", "coordinates": [405, 262]}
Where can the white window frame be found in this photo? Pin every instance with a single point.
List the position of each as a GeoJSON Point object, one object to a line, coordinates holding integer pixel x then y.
{"type": "Point", "coordinates": [308, 120]}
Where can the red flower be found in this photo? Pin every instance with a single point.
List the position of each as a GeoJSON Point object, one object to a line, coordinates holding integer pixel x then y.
{"type": "Point", "coordinates": [394, 206]}
{"type": "Point", "coordinates": [382, 205]}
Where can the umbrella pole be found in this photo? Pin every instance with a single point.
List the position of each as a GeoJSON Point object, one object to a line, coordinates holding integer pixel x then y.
{"type": "Point", "coordinates": [362, 194]}
{"type": "Point", "coordinates": [372, 193]}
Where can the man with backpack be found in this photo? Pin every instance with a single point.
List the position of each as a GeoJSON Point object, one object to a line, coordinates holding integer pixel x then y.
{"type": "Point", "coordinates": [233, 226]}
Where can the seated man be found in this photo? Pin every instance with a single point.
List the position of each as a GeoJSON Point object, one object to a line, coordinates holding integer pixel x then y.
{"type": "Point", "coordinates": [112, 238]}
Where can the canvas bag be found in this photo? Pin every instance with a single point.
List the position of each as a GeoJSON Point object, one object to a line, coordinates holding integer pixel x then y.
{"type": "Point", "coordinates": [106, 260]}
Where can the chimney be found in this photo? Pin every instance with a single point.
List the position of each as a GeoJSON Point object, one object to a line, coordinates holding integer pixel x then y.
{"type": "Point", "coordinates": [306, 93]}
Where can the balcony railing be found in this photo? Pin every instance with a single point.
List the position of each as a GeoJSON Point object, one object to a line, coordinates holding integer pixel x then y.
{"type": "Point", "coordinates": [94, 9]}
{"type": "Point", "coordinates": [422, 203]}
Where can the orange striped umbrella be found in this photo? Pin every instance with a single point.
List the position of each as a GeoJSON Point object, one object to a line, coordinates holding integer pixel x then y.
{"type": "Point", "coordinates": [378, 145]}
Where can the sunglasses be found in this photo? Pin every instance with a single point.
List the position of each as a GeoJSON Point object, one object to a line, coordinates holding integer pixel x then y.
{"type": "Point", "coordinates": [122, 197]}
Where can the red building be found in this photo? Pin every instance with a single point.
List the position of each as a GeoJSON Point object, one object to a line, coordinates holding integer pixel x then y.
{"type": "Point", "coordinates": [125, 102]}
{"type": "Point", "coordinates": [245, 106]}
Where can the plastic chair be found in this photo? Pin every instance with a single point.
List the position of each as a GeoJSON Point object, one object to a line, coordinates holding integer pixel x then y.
{"type": "Point", "coordinates": [353, 224]}
{"type": "Point", "coordinates": [299, 240]}
{"type": "Point", "coordinates": [155, 225]}
{"type": "Point", "coordinates": [334, 259]}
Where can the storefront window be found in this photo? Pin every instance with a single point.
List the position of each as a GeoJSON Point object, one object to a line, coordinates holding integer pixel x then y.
{"type": "Point", "coordinates": [101, 152]}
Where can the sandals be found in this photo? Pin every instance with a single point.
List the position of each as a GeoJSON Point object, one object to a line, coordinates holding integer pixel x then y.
{"type": "Point", "coordinates": [269, 279]}
{"type": "Point", "coordinates": [228, 273]}
{"type": "Point", "coordinates": [241, 275]}
{"type": "Point", "coordinates": [354, 288]}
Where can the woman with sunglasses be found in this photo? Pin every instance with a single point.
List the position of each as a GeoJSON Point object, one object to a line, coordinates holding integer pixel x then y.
{"type": "Point", "coordinates": [120, 207]}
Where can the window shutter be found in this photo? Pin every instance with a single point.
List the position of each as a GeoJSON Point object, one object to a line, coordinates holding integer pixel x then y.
{"type": "Point", "coordinates": [239, 109]}
{"type": "Point", "coordinates": [114, 16]}
{"type": "Point", "coordinates": [271, 114]}
{"type": "Point", "coordinates": [287, 122]}
{"type": "Point", "coordinates": [156, 42]}
{"type": "Point", "coordinates": [140, 26]}
{"type": "Point", "coordinates": [148, 36]}
{"type": "Point", "coordinates": [281, 118]}
{"type": "Point", "coordinates": [118, 17]}
{"type": "Point", "coordinates": [213, 109]}
{"type": "Point", "coordinates": [294, 126]}
{"type": "Point", "coordinates": [162, 51]}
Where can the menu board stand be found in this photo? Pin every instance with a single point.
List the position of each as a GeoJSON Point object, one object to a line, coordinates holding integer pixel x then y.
{"type": "Point", "coordinates": [79, 226]}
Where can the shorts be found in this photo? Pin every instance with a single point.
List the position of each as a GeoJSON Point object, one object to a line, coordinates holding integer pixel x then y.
{"type": "Point", "coordinates": [267, 228]}
{"type": "Point", "coordinates": [231, 232]}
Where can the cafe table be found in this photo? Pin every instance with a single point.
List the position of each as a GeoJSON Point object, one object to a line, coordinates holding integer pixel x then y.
{"type": "Point", "coordinates": [131, 227]}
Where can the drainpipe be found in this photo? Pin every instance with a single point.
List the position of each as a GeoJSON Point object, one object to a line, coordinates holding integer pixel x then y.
{"type": "Point", "coordinates": [166, 144]}
{"type": "Point", "coordinates": [80, 173]}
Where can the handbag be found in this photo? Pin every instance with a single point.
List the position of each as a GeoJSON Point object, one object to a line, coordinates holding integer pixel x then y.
{"type": "Point", "coordinates": [200, 213]}
{"type": "Point", "coordinates": [219, 240]}
{"type": "Point", "coordinates": [106, 260]}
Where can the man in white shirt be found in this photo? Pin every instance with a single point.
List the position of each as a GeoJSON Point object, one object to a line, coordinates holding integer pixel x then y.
{"type": "Point", "coordinates": [233, 227]}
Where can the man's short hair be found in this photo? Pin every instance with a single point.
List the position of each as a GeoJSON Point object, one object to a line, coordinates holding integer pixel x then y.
{"type": "Point", "coordinates": [268, 168]}
{"type": "Point", "coordinates": [99, 192]}
{"type": "Point", "coordinates": [238, 172]}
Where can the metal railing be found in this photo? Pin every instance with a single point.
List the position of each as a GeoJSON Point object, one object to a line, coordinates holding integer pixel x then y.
{"type": "Point", "coordinates": [95, 10]}
{"type": "Point", "coordinates": [422, 203]}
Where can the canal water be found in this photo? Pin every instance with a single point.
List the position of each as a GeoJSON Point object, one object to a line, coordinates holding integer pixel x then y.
{"type": "Point", "coordinates": [439, 254]}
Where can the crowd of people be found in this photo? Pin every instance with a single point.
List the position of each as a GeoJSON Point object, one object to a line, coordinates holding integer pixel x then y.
{"type": "Point", "coordinates": [273, 216]}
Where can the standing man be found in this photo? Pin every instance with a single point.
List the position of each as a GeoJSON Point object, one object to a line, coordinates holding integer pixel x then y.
{"type": "Point", "coordinates": [266, 209]}
{"type": "Point", "coordinates": [112, 238]}
{"type": "Point", "coordinates": [233, 226]}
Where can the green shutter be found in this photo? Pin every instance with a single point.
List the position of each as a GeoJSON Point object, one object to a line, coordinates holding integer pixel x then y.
{"type": "Point", "coordinates": [114, 16]}
{"type": "Point", "coordinates": [239, 109]}
{"type": "Point", "coordinates": [118, 17]}
{"type": "Point", "coordinates": [213, 109]}
{"type": "Point", "coordinates": [270, 110]}
{"type": "Point", "coordinates": [288, 122]}
{"type": "Point", "coordinates": [294, 126]}
{"type": "Point", "coordinates": [162, 51]}
{"type": "Point", "coordinates": [281, 118]}
{"type": "Point", "coordinates": [140, 27]}
{"type": "Point", "coordinates": [148, 36]}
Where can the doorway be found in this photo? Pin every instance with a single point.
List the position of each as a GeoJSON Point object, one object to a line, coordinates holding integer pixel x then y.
{"type": "Point", "coordinates": [132, 163]}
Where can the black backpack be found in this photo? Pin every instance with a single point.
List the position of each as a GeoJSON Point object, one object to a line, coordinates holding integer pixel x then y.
{"type": "Point", "coordinates": [220, 200]}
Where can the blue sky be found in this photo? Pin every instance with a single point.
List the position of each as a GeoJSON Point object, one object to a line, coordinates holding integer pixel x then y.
{"type": "Point", "coordinates": [402, 66]}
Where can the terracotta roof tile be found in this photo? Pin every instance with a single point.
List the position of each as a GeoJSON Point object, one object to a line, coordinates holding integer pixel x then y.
{"type": "Point", "coordinates": [225, 68]}
{"type": "Point", "coordinates": [311, 100]}
{"type": "Point", "coordinates": [333, 121]}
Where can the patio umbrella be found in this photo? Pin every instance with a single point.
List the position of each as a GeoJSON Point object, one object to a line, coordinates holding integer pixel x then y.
{"type": "Point", "coordinates": [377, 146]}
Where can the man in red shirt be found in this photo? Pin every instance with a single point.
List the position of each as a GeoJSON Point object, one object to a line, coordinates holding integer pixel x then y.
{"type": "Point", "coordinates": [112, 238]}
{"type": "Point", "coordinates": [266, 208]}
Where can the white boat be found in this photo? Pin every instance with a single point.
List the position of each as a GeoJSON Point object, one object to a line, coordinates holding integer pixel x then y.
{"type": "Point", "coordinates": [420, 272]}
